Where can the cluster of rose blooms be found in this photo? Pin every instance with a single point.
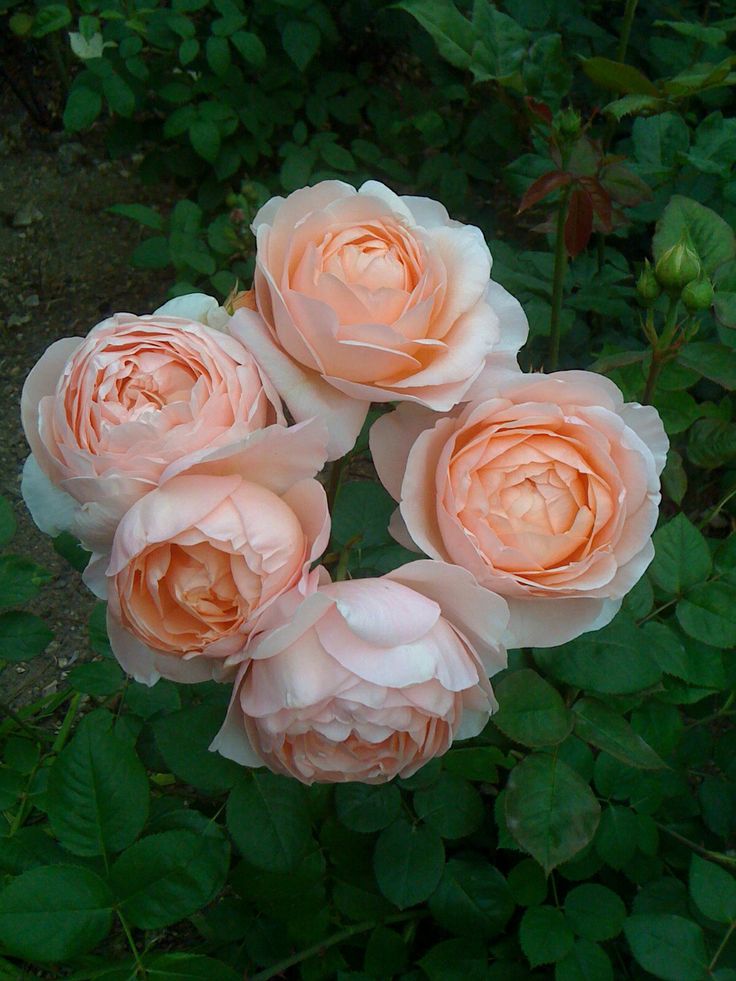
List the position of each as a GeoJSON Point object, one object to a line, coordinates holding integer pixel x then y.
{"type": "Point", "coordinates": [163, 443]}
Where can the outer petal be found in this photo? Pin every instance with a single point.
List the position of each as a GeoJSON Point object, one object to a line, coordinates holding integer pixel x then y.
{"type": "Point", "coordinates": [540, 622]}
{"type": "Point", "coordinates": [647, 424]}
{"type": "Point", "coordinates": [52, 509]}
{"type": "Point", "coordinates": [41, 381]}
{"type": "Point", "coordinates": [232, 740]}
{"type": "Point", "coordinates": [383, 613]}
{"type": "Point", "coordinates": [482, 616]}
{"type": "Point", "coordinates": [419, 489]}
{"type": "Point", "coordinates": [196, 306]}
{"type": "Point", "coordinates": [306, 394]}
{"type": "Point", "coordinates": [391, 439]}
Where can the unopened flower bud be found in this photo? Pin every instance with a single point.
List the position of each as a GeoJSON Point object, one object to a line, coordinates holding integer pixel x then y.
{"type": "Point", "coordinates": [698, 295]}
{"type": "Point", "coordinates": [568, 124]}
{"type": "Point", "coordinates": [678, 266]}
{"type": "Point", "coordinates": [647, 287]}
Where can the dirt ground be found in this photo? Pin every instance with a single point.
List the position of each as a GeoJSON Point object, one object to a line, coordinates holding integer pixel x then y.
{"type": "Point", "coordinates": [64, 266]}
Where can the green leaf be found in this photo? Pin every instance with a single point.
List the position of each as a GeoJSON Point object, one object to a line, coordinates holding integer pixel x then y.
{"type": "Point", "coordinates": [502, 45]}
{"type": "Point", "coordinates": [7, 521]}
{"type": "Point", "coordinates": [456, 960]}
{"type": "Point", "coordinates": [268, 818]}
{"type": "Point", "coordinates": [188, 50]}
{"type": "Point", "coordinates": [153, 253]}
{"type": "Point", "coordinates": [20, 580]}
{"type": "Point", "coordinates": [451, 806]}
{"type": "Point", "coordinates": [616, 838]}
{"type": "Point", "coordinates": [250, 47]}
{"type": "Point", "coordinates": [385, 953]}
{"type": "Point", "coordinates": [362, 511]}
{"type": "Point", "coordinates": [164, 877]}
{"type": "Point", "coordinates": [98, 794]}
{"type": "Point", "coordinates": [187, 967]}
{"type": "Point", "coordinates": [301, 42]}
{"type": "Point", "coordinates": [22, 636]}
{"type": "Point", "coordinates": [614, 661]}
{"type": "Point", "coordinates": [98, 678]}
{"type": "Point", "coordinates": [82, 108]}
{"type": "Point", "coordinates": [70, 549]}
{"type": "Point", "coordinates": [604, 728]}
{"type": "Point", "coordinates": [714, 361]}
{"type": "Point", "coordinates": [120, 96]}
{"type": "Point", "coordinates": [364, 808]}
{"type": "Point", "coordinates": [184, 738]}
{"type": "Point", "coordinates": [472, 899]}
{"type": "Point", "coordinates": [528, 883]}
{"type": "Point", "coordinates": [633, 104]}
{"type": "Point", "coordinates": [594, 912]}
{"type": "Point", "coordinates": [682, 557]}
{"type": "Point", "coordinates": [550, 810]}
{"type": "Point", "coordinates": [708, 614]}
{"type": "Point", "coordinates": [205, 138]}
{"type": "Point", "coordinates": [51, 17]}
{"type": "Point", "coordinates": [338, 157]}
{"type": "Point", "coordinates": [712, 443]}
{"type": "Point", "coordinates": [544, 935]}
{"type": "Point", "coordinates": [710, 36]}
{"type": "Point", "coordinates": [585, 962]}
{"type": "Point", "coordinates": [474, 762]}
{"type": "Point", "coordinates": [658, 141]}
{"type": "Point", "coordinates": [140, 213]}
{"type": "Point", "coordinates": [297, 168]}
{"type": "Point", "coordinates": [54, 913]}
{"type": "Point", "coordinates": [531, 711]}
{"type": "Point", "coordinates": [669, 947]}
{"type": "Point", "coordinates": [453, 34]}
{"type": "Point", "coordinates": [217, 50]}
{"type": "Point", "coordinates": [408, 862]}
{"type": "Point", "coordinates": [711, 237]}
{"type": "Point", "coordinates": [619, 77]}
{"type": "Point", "coordinates": [713, 890]}
{"type": "Point", "coordinates": [724, 282]}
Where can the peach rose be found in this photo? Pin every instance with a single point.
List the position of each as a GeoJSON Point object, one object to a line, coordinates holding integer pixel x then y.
{"type": "Point", "coordinates": [367, 679]}
{"type": "Point", "coordinates": [198, 560]}
{"type": "Point", "coordinates": [547, 492]}
{"type": "Point", "coordinates": [106, 414]}
{"type": "Point", "coordinates": [365, 296]}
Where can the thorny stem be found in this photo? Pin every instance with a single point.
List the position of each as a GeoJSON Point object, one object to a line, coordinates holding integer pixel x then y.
{"type": "Point", "coordinates": [660, 351]}
{"type": "Point", "coordinates": [718, 857]}
{"type": "Point", "coordinates": [558, 281]}
{"type": "Point", "coordinates": [66, 725]}
{"type": "Point", "coordinates": [337, 938]}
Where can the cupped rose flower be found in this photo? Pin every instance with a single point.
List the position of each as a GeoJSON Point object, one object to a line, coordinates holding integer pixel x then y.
{"type": "Point", "coordinates": [367, 679]}
{"type": "Point", "coordinates": [547, 492]}
{"type": "Point", "coordinates": [106, 414]}
{"type": "Point", "coordinates": [198, 560]}
{"type": "Point", "coordinates": [365, 296]}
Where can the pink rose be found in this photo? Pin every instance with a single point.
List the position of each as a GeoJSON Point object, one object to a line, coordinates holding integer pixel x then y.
{"type": "Point", "coordinates": [365, 296]}
{"type": "Point", "coordinates": [105, 415]}
{"type": "Point", "coordinates": [198, 560]}
{"type": "Point", "coordinates": [547, 492]}
{"type": "Point", "coordinates": [367, 679]}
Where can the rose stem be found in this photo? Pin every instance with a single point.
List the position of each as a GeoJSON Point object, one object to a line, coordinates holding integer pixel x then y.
{"type": "Point", "coordinates": [558, 281]}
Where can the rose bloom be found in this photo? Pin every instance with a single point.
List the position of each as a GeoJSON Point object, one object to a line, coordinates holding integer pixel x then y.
{"type": "Point", "coordinates": [365, 296]}
{"type": "Point", "coordinates": [367, 679]}
{"type": "Point", "coordinates": [196, 561]}
{"type": "Point", "coordinates": [547, 492]}
{"type": "Point", "coordinates": [106, 414]}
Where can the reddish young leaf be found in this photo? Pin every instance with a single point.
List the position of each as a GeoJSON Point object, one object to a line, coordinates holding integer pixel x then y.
{"type": "Point", "coordinates": [601, 201]}
{"type": "Point", "coordinates": [540, 109]}
{"type": "Point", "coordinates": [579, 223]}
{"type": "Point", "coordinates": [543, 186]}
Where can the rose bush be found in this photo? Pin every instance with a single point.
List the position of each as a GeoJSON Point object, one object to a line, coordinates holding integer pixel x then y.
{"type": "Point", "coordinates": [106, 414]}
{"type": "Point", "coordinates": [367, 679]}
{"type": "Point", "coordinates": [547, 491]}
{"type": "Point", "coordinates": [365, 296]}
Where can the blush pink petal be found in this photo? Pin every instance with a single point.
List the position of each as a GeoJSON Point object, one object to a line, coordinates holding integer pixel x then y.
{"type": "Point", "coordinates": [383, 613]}
{"type": "Point", "coordinates": [306, 394]}
{"type": "Point", "coordinates": [538, 622]}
